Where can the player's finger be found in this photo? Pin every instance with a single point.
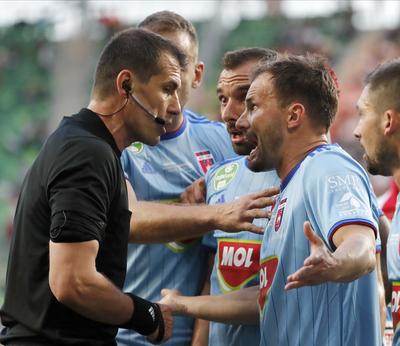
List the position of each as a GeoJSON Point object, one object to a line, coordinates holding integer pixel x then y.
{"type": "Point", "coordinates": [310, 234]}
{"type": "Point", "coordinates": [262, 202]}
{"type": "Point", "coordinates": [184, 198]}
{"type": "Point", "coordinates": [249, 227]}
{"type": "Point", "coordinates": [295, 284]}
{"type": "Point", "coordinates": [165, 291]}
{"type": "Point", "coordinates": [272, 191]}
{"type": "Point", "coordinates": [199, 195]}
{"type": "Point", "coordinates": [257, 214]}
{"type": "Point", "coordinates": [302, 274]}
{"type": "Point", "coordinates": [313, 260]}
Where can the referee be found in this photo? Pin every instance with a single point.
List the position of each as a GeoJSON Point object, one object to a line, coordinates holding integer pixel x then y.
{"type": "Point", "coordinates": [68, 254]}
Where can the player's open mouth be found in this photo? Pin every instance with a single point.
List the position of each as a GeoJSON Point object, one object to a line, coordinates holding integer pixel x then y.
{"type": "Point", "coordinates": [253, 140]}
{"type": "Point", "coordinates": [237, 137]}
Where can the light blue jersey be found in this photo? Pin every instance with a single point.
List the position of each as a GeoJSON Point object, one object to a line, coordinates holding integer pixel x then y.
{"type": "Point", "coordinates": [161, 173]}
{"type": "Point", "coordinates": [393, 262]}
{"type": "Point", "coordinates": [329, 189]}
{"type": "Point", "coordinates": [237, 258]}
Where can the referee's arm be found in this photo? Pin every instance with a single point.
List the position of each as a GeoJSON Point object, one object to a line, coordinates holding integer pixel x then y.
{"type": "Point", "coordinates": [75, 282]}
{"type": "Point", "coordinates": [160, 223]}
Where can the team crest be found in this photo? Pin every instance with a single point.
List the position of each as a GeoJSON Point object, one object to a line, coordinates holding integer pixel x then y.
{"type": "Point", "coordinates": [279, 214]}
{"type": "Point", "coordinates": [205, 160]}
{"type": "Point", "coordinates": [238, 263]}
{"type": "Point", "coordinates": [225, 175]}
{"type": "Point", "coordinates": [136, 147]}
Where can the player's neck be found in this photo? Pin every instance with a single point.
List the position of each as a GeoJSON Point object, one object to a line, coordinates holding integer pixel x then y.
{"type": "Point", "coordinates": [296, 152]}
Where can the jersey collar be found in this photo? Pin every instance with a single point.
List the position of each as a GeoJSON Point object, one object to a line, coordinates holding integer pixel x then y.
{"type": "Point", "coordinates": [176, 133]}
{"type": "Point", "coordinates": [92, 123]}
{"type": "Point", "coordinates": [290, 175]}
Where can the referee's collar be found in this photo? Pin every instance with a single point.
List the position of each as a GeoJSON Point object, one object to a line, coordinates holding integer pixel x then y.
{"type": "Point", "coordinates": [92, 122]}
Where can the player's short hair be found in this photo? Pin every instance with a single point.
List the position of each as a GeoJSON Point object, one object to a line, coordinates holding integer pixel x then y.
{"type": "Point", "coordinates": [136, 50]}
{"type": "Point", "coordinates": [235, 58]}
{"type": "Point", "coordinates": [168, 21]}
{"type": "Point", "coordinates": [306, 79]}
{"type": "Point", "coordinates": [384, 82]}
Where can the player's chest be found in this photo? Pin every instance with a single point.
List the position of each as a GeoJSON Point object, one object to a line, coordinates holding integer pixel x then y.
{"type": "Point", "coordinates": [285, 225]}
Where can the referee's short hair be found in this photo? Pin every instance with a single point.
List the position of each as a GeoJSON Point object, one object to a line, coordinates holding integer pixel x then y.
{"type": "Point", "coordinates": [134, 49]}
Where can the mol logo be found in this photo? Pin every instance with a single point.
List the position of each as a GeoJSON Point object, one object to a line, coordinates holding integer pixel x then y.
{"type": "Point", "coordinates": [267, 274]}
{"type": "Point", "coordinates": [395, 303]}
{"type": "Point", "coordinates": [238, 263]}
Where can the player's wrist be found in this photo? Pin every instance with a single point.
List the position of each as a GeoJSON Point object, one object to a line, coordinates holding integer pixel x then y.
{"type": "Point", "coordinates": [336, 269]}
{"type": "Point", "coordinates": [219, 216]}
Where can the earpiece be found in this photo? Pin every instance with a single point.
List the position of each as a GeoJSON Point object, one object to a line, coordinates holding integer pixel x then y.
{"type": "Point", "coordinates": [126, 86]}
{"type": "Point", "coordinates": [129, 94]}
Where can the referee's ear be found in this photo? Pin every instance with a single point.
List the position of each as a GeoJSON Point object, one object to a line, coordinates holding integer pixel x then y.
{"type": "Point", "coordinates": [124, 82]}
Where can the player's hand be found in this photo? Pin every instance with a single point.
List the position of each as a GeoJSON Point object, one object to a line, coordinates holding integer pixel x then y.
{"type": "Point", "coordinates": [239, 215]}
{"type": "Point", "coordinates": [168, 324]}
{"type": "Point", "coordinates": [195, 193]}
{"type": "Point", "coordinates": [170, 298]}
{"type": "Point", "coordinates": [319, 267]}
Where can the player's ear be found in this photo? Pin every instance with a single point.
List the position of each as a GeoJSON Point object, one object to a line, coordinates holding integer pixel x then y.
{"type": "Point", "coordinates": [198, 74]}
{"type": "Point", "coordinates": [295, 115]}
{"type": "Point", "coordinates": [391, 122]}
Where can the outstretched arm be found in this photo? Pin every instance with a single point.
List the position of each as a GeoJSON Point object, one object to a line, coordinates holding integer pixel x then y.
{"type": "Point", "coordinates": [160, 223]}
{"type": "Point", "coordinates": [238, 307]}
{"type": "Point", "coordinates": [354, 257]}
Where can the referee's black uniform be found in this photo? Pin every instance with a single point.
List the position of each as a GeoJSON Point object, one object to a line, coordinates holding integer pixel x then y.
{"type": "Point", "coordinates": [75, 191]}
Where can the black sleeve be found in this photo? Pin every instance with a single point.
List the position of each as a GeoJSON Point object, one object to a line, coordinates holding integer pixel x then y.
{"type": "Point", "coordinates": [80, 187]}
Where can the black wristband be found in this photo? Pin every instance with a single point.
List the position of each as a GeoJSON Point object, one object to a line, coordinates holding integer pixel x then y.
{"type": "Point", "coordinates": [161, 326]}
{"type": "Point", "coordinates": [146, 316]}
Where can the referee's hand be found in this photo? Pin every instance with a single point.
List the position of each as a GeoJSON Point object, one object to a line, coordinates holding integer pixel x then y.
{"type": "Point", "coordinates": [168, 324]}
{"type": "Point", "coordinates": [239, 215]}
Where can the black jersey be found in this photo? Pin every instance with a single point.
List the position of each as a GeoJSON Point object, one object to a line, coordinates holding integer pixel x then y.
{"type": "Point", "coordinates": [75, 191]}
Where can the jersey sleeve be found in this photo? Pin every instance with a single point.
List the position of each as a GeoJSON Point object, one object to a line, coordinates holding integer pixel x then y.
{"type": "Point", "coordinates": [337, 193]}
{"type": "Point", "coordinates": [377, 213]}
{"type": "Point", "coordinates": [80, 188]}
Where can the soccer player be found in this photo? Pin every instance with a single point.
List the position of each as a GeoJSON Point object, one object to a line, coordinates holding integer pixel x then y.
{"type": "Point", "coordinates": [191, 145]}
{"type": "Point", "coordinates": [378, 131]}
{"type": "Point", "coordinates": [318, 250]}
{"type": "Point", "coordinates": [236, 262]}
